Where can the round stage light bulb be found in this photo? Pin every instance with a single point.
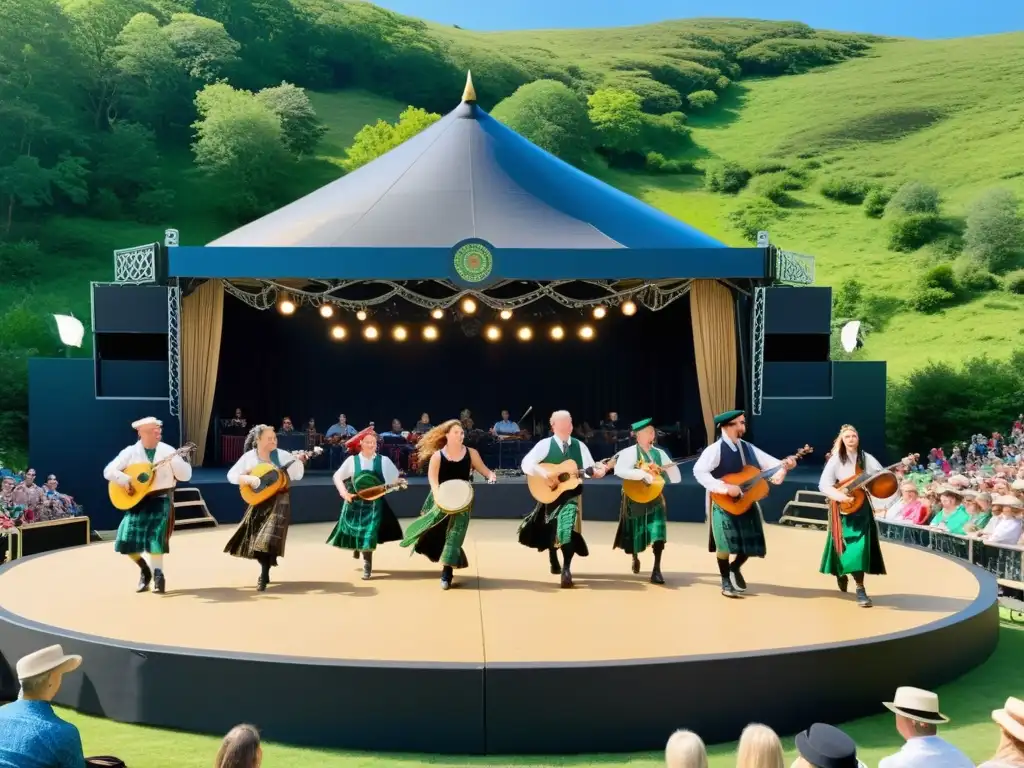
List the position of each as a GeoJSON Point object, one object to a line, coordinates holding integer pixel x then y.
{"type": "Point", "coordinates": [468, 306]}
{"type": "Point", "coordinates": [524, 333]}
{"type": "Point", "coordinates": [558, 333]}
{"type": "Point", "coordinates": [361, 315]}
{"type": "Point", "coordinates": [371, 332]}
{"type": "Point", "coordinates": [493, 333]}
{"type": "Point", "coordinates": [399, 333]}
{"type": "Point", "coordinates": [599, 312]}
{"type": "Point", "coordinates": [326, 310]}
{"type": "Point", "coordinates": [586, 333]}
{"type": "Point", "coordinates": [287, 307]}
{"type": "Point", "coordinates": [338, 332]}
{"type": "Point", "coordinates": [629, 308]}
{"type": "Point", "coordinates": [437, 314]}
{"type": "Point", "coordinates": [430, 333]}
{"type": "Point", "coordinates": [506, 314]}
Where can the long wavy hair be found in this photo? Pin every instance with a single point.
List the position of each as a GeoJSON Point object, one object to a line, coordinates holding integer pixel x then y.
{"type": "Point", "coordinates": [239, 748]}
{"type": "Point", "coordinates": [254, 435]}
{"type": "Point", "coordinates": [839, 447]}
{"type": "Point", "coordinates": [436, 439]}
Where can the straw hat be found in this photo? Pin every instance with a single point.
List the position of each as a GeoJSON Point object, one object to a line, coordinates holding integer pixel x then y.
{"type": "Point", "coordinates": [959, 480]}
{"type": "Point", "coordinates": [951, 490]}
{"type": "Point", "coordinates": [47, 660]}
{"type": "Point", "coordinates": [1008, 501]}
{"type": "Point", "coordinates": [1011, 718]}
{"type": "Point", "coordinates": [917, 704]}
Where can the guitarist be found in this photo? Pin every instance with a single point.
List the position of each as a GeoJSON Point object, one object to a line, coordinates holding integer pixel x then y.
{"type": "Point", "coordinates": [147, 527]}
{"type": "Point", "coordinates": [739, 535]}
{"type": "Point", "coordinates": [643, 524]}
{"type": "Point", "coordinates": [557, 526]}
{"type": "Point", "coordinates": [852, 543]}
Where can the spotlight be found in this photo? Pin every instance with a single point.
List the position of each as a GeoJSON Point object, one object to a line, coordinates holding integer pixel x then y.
{"type": "Point", "coordinates": [399, 333]}
{"type": "Point", "coordinates": [468, 306]}
{"type": "Point", "coordinates": [586, 333]}
{"type": "Point", "coordinates": [629, 308]}
{"type": "Point", "coordinates": [430, 333]}
{"type": "Point", "coordinates": [524, 333]}
{"type": "Point", "coordinates": [506, 314]}
{"type": "Point", "coordinates": [326, 310]}
{"type": "Point", "coordinates": [558, 333]}
{"type": "Point", "coordinates": [437, 314]}
{"type": "Point", "coordinates": [493, 333]}
{"type": "Point", "coordinates": [287, 307]}
{"type": "Point", "coordinates": [370, 333]}
{"type": "Point", "coordinates": [599, 312]}
{"type": "Point", "coordinates": [361, 315]}
{"type": "Point", "coordinates": [338, 332]}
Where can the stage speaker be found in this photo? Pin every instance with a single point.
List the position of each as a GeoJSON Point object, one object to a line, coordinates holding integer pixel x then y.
{"type": "Point", "coordinates": [129, 309]}
{"type": "Point", "coordinates": [797, 332]}
{"type": "Point", "coordinates": [794, 311]}
{"type": "Point", "coordinates": [130, 329]}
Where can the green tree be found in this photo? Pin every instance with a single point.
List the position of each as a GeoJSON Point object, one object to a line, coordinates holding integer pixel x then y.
{"type": "Point", "coordinates": [152, 79]}
{"type": "Point", "coordinates": [995, 230]}
{"type": "Point", "coordinates": [702, 99]}
{"type": "Point", "coordinates": [551, 115]}
{"type": "Point", "coordinates": [127, 161]}
{"type": "Point", "coordinates": [24, 183]}
{"type": "Point", "coordinates": [374, 140]}
{"type": "Point", "coordinates": [914, 198]}
{"type": "Point", "coordinates": [302, 129]}
{"type": "Point", "coordinates": [617, 119]}
{"type": "Point", "coordinates": [204, 48]}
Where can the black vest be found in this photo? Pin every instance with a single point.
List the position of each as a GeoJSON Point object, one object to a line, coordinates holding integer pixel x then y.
{"type": "Point", "coordinates": [730, 461]}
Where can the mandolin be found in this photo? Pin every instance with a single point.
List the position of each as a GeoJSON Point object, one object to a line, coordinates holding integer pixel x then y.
{"type": "Point", "coordinates": [642, 492]}
{"type": "Point", "coordinates": [273, 479]}
{"type": "Point", "coordinates": [881, 485]}
{"type": "Point", "coordinates": [375, 492]}
{"type": "Point", "coordinates": [569, 477]}
{"type": "Point", "coordinates": [141, 476]}
{"type": "Point", "coordinates": [753, 483]}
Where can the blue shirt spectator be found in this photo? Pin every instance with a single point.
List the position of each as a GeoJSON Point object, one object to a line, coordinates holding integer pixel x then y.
{"type": "Point", "coordinates": [342, 428]}
{"type": "Point", "coordinates": [506, 426]}
{"type": "Point", "coordinates": [32, 736]}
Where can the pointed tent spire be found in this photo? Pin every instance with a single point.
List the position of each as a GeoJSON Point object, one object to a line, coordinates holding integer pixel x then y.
{"type": "Point", "coordinates": [469, 94]}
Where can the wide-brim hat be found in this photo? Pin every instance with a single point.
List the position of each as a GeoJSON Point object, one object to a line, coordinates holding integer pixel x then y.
{"type": "Point", "coordinates": [49, 659]}
{"type": "Point", "coordinates": [951, 490]}
{"type": "Point", "coordinates": [1011, 718]}
{"type": "Point", "coordinates": [826, 746]}
{"type": "Point", "coordinates": [1007, 501]}
{"type": "Point", "coordinates": [917, 704]}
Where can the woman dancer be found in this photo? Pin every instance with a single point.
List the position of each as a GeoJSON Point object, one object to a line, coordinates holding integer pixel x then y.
{"type": "Point", "coordinates": [449, 459]}
{"type": "Point", "coordinates": [852, 542]}
{"type": "Point", "coordinates": [263, 531]}
{"type": "Point", "coordinates": [362, 525]}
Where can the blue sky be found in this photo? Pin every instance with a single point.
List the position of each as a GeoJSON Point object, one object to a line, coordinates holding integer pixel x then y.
{"type": "Point", "coordinates": [901, 18]}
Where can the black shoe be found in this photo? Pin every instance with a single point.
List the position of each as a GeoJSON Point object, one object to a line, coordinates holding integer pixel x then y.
{"type": "Point", "coordinates": [145, 578]}
{"type": "Point", "coordinates": [555, 568]}
{"type": "Point", "coordinates": [727, 588]}
{"type": "Point", "coordinates": [636, 564]}
{"type": "Point", "coordinates": [261, 583]}
{"type": "Point", "coordinates": [566, 580]}
{"type": "Point", "coordinates": [657, 578]}
{"type": "Point", "coordinates": [355, 554]}
{"type": "Point", "coordinates": [367, 570]}
{"type": "Point", "coordinates": [159, 583]}
{"type": "Point", "coordinates": [862, 598]}
{"type": "Point", "coordinates": [843, 582]}
{"type": "Point", "coordinates": [737, 577]}
{"type": "Point", "coordinates": [446, 584]}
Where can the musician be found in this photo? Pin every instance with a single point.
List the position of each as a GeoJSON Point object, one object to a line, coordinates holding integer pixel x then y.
{"type": "Point", "coordinates": [506, 426]}
{"type": "Point", "coordinates": [557, 526]}
{"type": "Point", "coordinates": [263, 532]}
{"type": "Point", "coordinates": [423, 425]}
{"type": "Point", "coordinates": [739, 535]}
{"type": "Point", "coordinates": [342, 429]}
{"type": "Point", "coordinates": [641, 525]}
{"type": "Point", "coordinates": [852, 542]}
{"type": "Point", "coordinates": [362, 525]}
{"type": "Point", "coordinates": [437, 534]}
{"type": "Point", "coordinates": [147, 527]}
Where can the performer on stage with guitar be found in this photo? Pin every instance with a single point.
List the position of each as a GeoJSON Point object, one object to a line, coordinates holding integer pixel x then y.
{"type": "Point", "coordinates": [444, 519]}
{"type": "Point", "coordinates": [147, 526]}
{"type": "Point", "coordinates": [263, 532]}
{"type": "Point", "coordinates": [852, 545]}
{"type": "Point", "coordinates": [363, 523]}
{"type": "Point", "coordinates": [556, 525]}
{"type": "Point", "coordinates": [643, 523]}
{"type": "Point", "coordinates": [740, 535]}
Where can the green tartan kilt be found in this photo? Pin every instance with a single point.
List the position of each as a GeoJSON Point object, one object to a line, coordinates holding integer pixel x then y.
{"type": "Point", "coordinates": [552, 526]}
{"type": "Point", "coordinates": [147, 528]}
{"type": "Point", "coordinates": [640, 525]}
{"type": "Point", "coordinates": [439, 536]}
{"type": "Point", "coordinates": [363, 525]}
{"type": "Point", "coordinates": [862, 552]}
{"type": "Point", "coordinates": [737, 534]}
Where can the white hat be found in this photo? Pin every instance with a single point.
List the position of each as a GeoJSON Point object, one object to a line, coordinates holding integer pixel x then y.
{"type": "Point", "coordinates": [917, 704]}
{"type": "Point", "coordinates": [146, 422]}
{"type": "Point", "coordinates": [1011, 718]}
{"type": "Point", "coordinates": [46, 660]}
{"type": "Point", "coordinates": [1018, 485]}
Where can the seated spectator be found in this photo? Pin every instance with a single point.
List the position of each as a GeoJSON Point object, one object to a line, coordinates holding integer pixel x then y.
{"type": "Point", "coordinates": [951, 515]}
{"type": "Point", "coordinates": [759, 748]}
{"type": "Point", "coordinates": [31, 734]}
{"type": "Point", "coordinates": [1007, 528]}
{"type": "Point", "coordinates": [911, 508]}
{"type": "Point", "coordinates": [825, 746]}
{"type": "Point", "coordinates": [1010, 752]}
{"type": "Point", "coordinates": [685, 749]}
{"type": "Point", "coordinates": [917, 721]}
{"type": "Point", "coordinates": [240, 749]}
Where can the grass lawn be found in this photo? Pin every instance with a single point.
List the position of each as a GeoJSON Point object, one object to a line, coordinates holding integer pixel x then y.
{"type": "Point", "coordinates": [967, 701]}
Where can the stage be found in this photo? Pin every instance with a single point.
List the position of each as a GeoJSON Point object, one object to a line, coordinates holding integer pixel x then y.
{"type": "Point", "coordinates": [504, 663]}
{"type": "Point", "coordinates": [316, 500]}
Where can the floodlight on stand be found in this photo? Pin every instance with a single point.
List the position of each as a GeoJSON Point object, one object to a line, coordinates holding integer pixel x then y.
{"type": "Point", "coordinates": [437, 314]}
{"type": "Point", "coordinates": [429, 333]}
{"type": "Point", "coordinates": [70, 330]}
{"type": "Point", "coordinates": [558, 333]}
{"type": "Point", "coordinates": [326, 311]}
{"type": "Point", "coordinates": [468, 306]}
{"type": "Point", "coordinates": [586, 333]}
{"type": "Point", "coordinates": [370, 333]}
{"type": "Point", "coordinates": [506, 314]}
{"type": "Point", "coordinates": [600, 312]}
{"type": "Point", "coordinates": [361, 315]}
{"type": "Point", "coordinates": [848, 335]}
{"type": "Point", "coordinates": [493, 333]}
{"type": "Point", "coordinates": [398, 333]}
{"type": "Point", "coordinates": [524, 333]}
{"type": "Point", "coordinates": [628, 308]}
{"type": "Point", "coordinates": [338, 332]}
{"type": "Point", "coordinates": [286, 307]}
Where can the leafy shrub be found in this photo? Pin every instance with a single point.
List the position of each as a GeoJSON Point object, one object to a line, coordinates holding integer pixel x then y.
{"type": "Point", "coordinates": [775, 187]}
{"type": "Point", "coordinates": [908, 233]}
{"type": "Point", "coordinates": [972, 276]}
{"type": "Point", "coordinates": [19, 261]}
{"type": "Point", "coordinates": [726, 177]}
{"type": "Point", "coordinates": [662, 132]}
{"type": "Point", "coordinates": [929, 300]}
{"type": "Point", "coordinates": [722, 83]}
{"type": "Point", "coordinates": [755, 215]}
{"type": "Point", "coordinates": [941, 276]}
{"type": "Point", "coordinates": [769, 166]}
{"type": "Point", "coordinates": [702, 99]}
{"type": "Point", "coordinates": [845, 190]}
{"type": "Point", "coordinates": [154, 205]}
{"type": "Point", "coordinates": [658, 163]}
{"type": "Point", "coordinates": [995, 230]}
{"type": "Point", "coordinates": [551, 115]}
{"type": "Point", "coordinates": [914, 197]}
{"type": "Point", "coordinates": [876, 200]}
{"type": "Point", "coordinates": [1014, 282]}
{"type": "Point", "coordinates": [106, 205]}
{"type": "Point", "coordinates": [848, 301]}
{"type": "Point", "coordinates": [947, 245]}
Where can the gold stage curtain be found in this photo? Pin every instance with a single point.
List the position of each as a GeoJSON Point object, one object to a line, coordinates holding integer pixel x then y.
{"type": "Point", "coordinates": [713, 315]}
{"type": "Point", "coordinates": [202, 320]}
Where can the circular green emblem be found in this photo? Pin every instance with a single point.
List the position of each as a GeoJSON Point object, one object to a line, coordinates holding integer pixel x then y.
{"type": "Point", "coordinates": [473, 262]}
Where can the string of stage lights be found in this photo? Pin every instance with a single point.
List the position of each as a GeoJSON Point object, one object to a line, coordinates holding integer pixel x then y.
{"type": "Point", "coordinates": [493, 332]}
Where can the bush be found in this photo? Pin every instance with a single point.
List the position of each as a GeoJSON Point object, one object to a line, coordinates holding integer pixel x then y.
{"type": "Point", "coordinates": [154, 205]}
{"type": "Point", "coordinates": [552, 116]}
{"type": "Point", "coordinates": [658, 163]}
{"type": "Point", "coordinates": [941, 276]}
{"type": "Point", "coordinates": [995, 230]}
{"type": "Point", "coordinates": [908, 233]}
{"type": "Point", "coordinates": [20, 261]}
{"type": "Point", "coordinates": [106, 205]}
{"type": "Point", "coordinates": [775, 187]}
{"type": "Point", "coordinates": [972, 276]}
{"type": "Point", "coordinates": [876, 200]}
{"type": "Point", "coordinates": [726, 177]}
{"type": "Point", "coordinates": [756, 215]}
{"type": "Point", "coordinates": [769, 166]}
{"type": "Point", "coordinates": [845, 190]}
{"type": "Point", "coordinates": [912, 198]}
{"type": "Point", "coordinates": [848, 301]}
{"type": "Point", "coordinates": [1014, 282]}
{"type": "Point", "coordinates": [929, 300]}
{"type": "Point", "coordinates": [702, 99]}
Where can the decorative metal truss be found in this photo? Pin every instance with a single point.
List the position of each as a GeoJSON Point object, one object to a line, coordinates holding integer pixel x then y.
{"type": "Point", "coordinates": [793, 267]}
{"type": "Point", "coordinates": [136, 266]}
{"type": "Point", "coordinates": [757, 356]}
{"type": "Point", "coordinates": [174, 350]}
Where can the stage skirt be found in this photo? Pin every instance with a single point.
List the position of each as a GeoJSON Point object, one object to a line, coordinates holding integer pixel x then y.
{"type": "Point", "coordinates": [147, 528]}
{"type": "Point", "coordinates": [363, 525]}
{"type": "Point", "coordinates": [263, 530]}
{"type": "Point", "coordinates": [555, 525]}
{"type": "Point", "coordinates": [737, 534]}
{"type": "Point", "coordinates": [438, 535]}
{"type": "Point", "coordinates": [852, 544]}
{"type": "Point", "coordinates": [640, 525]}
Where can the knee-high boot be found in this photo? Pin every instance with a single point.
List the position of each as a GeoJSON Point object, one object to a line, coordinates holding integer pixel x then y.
{"type": "Point", "coordinates": [567, 554]}
{"type": "Point", "coordinates": [656, 577]}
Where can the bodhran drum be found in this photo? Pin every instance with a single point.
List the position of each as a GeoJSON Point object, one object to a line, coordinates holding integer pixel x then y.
{"type": "Point", "coordinates": [454, 497]}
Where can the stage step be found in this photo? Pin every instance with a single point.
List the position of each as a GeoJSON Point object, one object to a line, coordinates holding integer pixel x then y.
{"type": "Point", "coordinates": [808, 510]}
{"type": "Point", "coordinates": [190, 510]}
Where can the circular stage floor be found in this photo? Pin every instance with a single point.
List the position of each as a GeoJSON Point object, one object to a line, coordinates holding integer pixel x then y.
{"type": "Point", "coordinates": [506, 607]}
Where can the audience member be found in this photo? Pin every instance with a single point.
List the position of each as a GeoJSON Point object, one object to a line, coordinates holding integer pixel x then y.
{"type": "Point", "coordinates": [240, 749]}
{"type": "Point", "coordinates": [825, 746]}
{"type": "Point", "coordinates": [759, 748]}
{"type": "Point", "coordinates": [1010, 752]}
{"type": "Point", "coordinates": [685, 749]}
{"type": "Point", "coordinates": [917, 721]}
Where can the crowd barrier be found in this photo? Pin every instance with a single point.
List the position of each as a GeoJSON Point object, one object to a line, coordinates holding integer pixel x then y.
{"type": "Point", "coordinates": [36, 538]}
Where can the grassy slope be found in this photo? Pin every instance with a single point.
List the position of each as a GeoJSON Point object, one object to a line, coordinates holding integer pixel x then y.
{"type": "Point", "coordinates": [968, 702]}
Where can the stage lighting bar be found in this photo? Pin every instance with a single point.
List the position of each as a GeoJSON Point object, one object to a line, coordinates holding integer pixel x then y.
{"type": "Point", "coordinates": [600, 312]}
{"type": "Point", "coordinates": [587, 333]}
{"type": "Point", "coordinates": [628, 308]}
{"type": "Point", "coordinates": [493, 333]}
{"type": "Point", "coordinates": [525, 333]}
{"type": "Point", "coordinates": [429, 333]}
{"type": "Point", "coordinates": [558, 333]}
{"type": "Point", "coordinates": [338, 332]}
{"type": "Point", "coordinates": [326, 311]}
{"type": "Point", "coordinates": [370, 333]}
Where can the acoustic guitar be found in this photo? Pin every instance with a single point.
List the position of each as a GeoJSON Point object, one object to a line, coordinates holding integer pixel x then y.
{"type": "Point", "coordinates": [642, 492]}
{"type": "Point", "coordinates": [376, 491]}
{"type": "Point", "coordinates": [568, 475]}
{"type": "Point", "coordinates": [141, 476]}
{"type": "Point", "coordinates": [881, 485]}
{"type": "Point", "coordinates": [273, 479]}
{"type": "Point", "coordinates": [753, 484]}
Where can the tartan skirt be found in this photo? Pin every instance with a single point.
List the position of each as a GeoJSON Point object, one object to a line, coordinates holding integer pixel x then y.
{"type": "Point", "coordinates": [363, 525]}
{"type": "Point", "coordinates": [551, 526]}
{"type": "Point", "coordinates": [640, 525]}
{"type": "Point", "coordinates": [439, 536]}
{"type": "Point", "coordinates": [147, 527]}
{"type": "Point", "coordinates": [263, 531]}
{"type": "Point", "coordinates": [737, 534]}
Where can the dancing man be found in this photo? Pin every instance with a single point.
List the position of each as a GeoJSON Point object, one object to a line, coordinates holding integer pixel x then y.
{"type": "Point", "coordinates": [641, 525]}
{"type": "Point", "coordinates": [558, 526]}
{"type": "Point", "coordinates": [449, 459]}
{"type": "Point", "coordinates": [263, 532]}
{"type": "Point", "coordinates": [362, 524]}
{"type": "Point", "coordinates": [147, 528]}
{"type": "Point", "coordinates": [739, 535]}
{"type": "Point", "coordinates": [851, 546]}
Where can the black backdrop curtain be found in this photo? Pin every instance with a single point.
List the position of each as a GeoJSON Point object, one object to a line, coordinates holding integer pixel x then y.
{"type": "Point", "coordinates": [273, 366]}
